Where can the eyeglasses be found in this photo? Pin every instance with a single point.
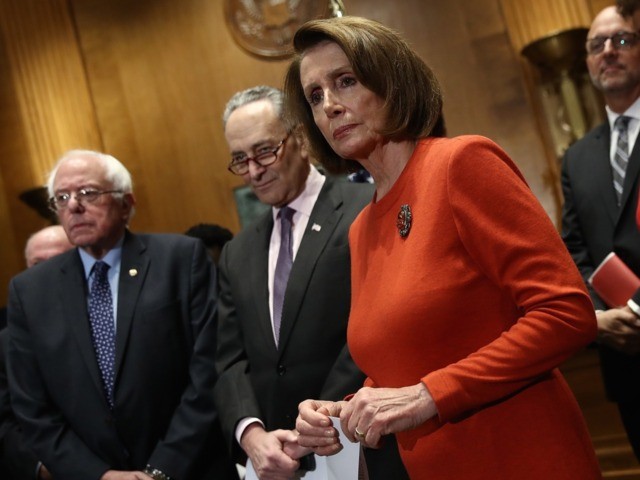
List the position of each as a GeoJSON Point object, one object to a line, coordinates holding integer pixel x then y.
{"type": "Point", "coordinates": [60, 201]}
{"type": "Point", "coordinates": [619, 41]}
{"type": "Point", "coordinates": [264, 157]}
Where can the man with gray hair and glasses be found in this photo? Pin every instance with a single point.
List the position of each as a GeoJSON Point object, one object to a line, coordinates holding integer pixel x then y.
{"type": "Point", "coordinates": [600, 185]}
{"type": "Point", "coordinates": [284, 289]}
{"type": "Point", "coordinates": [112, 344]}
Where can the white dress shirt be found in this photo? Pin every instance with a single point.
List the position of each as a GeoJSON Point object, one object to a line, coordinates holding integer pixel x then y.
{"type": "Point", "coordinates": [303, 206]}
{"type": "Point", "coordinates": [633, 112]}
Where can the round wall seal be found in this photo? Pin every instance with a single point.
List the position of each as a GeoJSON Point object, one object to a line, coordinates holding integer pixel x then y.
{"type": "Point", "coordinates": [266, 27]}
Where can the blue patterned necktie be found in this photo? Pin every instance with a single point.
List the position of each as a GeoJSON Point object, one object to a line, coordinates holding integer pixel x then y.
{"type": "Point", "coordinates": [283, 267]}
{"type": "Point", "coordinates": [102, 327]}
{"type": "Point", "coordinates": [621, 155]}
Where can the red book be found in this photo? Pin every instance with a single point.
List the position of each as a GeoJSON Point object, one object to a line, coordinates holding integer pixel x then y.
{"type": "Point", "coordinates": [614, 282]}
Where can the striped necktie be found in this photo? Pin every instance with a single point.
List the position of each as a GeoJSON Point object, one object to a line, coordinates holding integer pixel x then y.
{"type": "Point", "coordinates": [621, 155]}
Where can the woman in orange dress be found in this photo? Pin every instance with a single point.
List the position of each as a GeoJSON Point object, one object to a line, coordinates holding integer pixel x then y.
{"type": "Point", "coordinates": [464, 298]}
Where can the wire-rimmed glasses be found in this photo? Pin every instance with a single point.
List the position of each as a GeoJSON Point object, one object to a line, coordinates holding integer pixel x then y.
{"type": "Point", "coordinates": [60, 200]}
{"type": "Point", "coordinates": [620, 41]}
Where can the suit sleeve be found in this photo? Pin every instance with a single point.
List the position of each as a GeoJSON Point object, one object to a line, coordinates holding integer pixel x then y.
{"type": "Point", "coordinates": [33, 407]}
{"type": "Point", "coordinates": [18, 460]}
{"type": "Point", "coordinates": [572, 233]}
{"type": "Point", "coordinates": [234, 393]}
{"type": "Point", "coordinates": [195, 415]}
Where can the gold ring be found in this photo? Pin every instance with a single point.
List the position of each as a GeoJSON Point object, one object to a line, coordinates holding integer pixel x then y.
{"type": "Point", "coordinates": [359, 434]}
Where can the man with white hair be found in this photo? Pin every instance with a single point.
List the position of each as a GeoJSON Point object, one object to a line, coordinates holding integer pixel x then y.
{"type": "Point", "coordinates": [112, 344]}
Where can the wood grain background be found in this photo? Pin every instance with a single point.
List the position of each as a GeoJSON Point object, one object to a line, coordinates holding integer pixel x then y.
{"type": "Point", "coordinates": [147, 81]}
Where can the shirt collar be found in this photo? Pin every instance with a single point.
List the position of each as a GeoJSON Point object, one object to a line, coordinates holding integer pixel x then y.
{"type": "Point", "coordinates": [632, 112]}
{"type": "Point", "coordinates": [304, 202]}
{"type": "Point", "coordinates": [112, 257]}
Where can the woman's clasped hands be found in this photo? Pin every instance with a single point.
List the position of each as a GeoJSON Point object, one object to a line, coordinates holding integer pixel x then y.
{"type": "Point", "coordinates": [369, 415]}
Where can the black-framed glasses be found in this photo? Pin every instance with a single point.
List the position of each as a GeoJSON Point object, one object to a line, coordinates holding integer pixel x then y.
{"type": "Point", "coordinates": [620, 41]}
{"type": "Point", "coordinates": [264, 157]}
{"type": "Point", "coordinates": [60, 200]}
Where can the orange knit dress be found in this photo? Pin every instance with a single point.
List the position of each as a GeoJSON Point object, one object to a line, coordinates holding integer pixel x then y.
{"type": "Point", "coordinates": [481, 302]}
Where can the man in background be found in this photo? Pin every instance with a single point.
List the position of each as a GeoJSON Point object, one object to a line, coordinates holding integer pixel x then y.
{"type": "Point", "coordinates": [17, 462]}
{"type": "Point", "coordinates": [284, 289]}
{"type": "Point", "coordinates": [44, 244]}
{"type": "Point", "coordinates": [600, 186]}
{"type": "Point", "coordinates": [213, 236]}
{"type": "Point", "coordinates": [112, 344]}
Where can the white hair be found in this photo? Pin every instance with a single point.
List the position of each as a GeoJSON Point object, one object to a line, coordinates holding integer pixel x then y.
{"type": "Point", "coordinates": [115, 172]}
{"type": "Point", "coordinates": [255, 94]}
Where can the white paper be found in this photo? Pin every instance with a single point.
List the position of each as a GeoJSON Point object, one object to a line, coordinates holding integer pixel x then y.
{"type": "Point", "coordinates": [342, 466]}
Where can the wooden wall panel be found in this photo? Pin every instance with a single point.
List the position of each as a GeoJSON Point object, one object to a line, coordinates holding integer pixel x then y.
{"type": "Point", "coordinates": [147, 81]}
{"type": "Point", "coordinates": [12, 150]}
{"type": "Point", "coordinates": [45, 109]}
{"type": "Point", "coordinates": [161, 73]}
{"type": "Point", "coordinates": [597, 5]}
{"type": "Point", "coordinates": [48, 78]}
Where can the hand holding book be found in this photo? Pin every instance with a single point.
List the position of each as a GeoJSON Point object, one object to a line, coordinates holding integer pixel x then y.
{"type": "Point", "coordinates": [614, 281]}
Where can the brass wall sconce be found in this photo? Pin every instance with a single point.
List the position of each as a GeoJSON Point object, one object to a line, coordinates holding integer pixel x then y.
{"type": "Point", "coordinates": [570, 104]}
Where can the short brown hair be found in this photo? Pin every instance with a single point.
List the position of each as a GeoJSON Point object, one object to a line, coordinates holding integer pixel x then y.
{"type": "Point", "coordinates": [627, 7]}
{"type": "Point", "coordinates": [384, 63]}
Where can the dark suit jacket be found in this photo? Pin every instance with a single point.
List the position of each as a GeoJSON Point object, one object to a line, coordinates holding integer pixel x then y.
{"type": "Point", "coordinates": [17, 461]}
{"type": "Point", "coordinates": [164, 411]}
{"type": "Point", "coordinates": [312, 361]}
{"type": "Point", "coordinates": [593, 226]}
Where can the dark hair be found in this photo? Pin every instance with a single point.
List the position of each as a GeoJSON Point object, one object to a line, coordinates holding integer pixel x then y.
{"type": "Point", "coordinates": [627, 7]}
{"type": "Point", "coordinates": [384, 63]}
{"type": "Point", "coordinates": [210, 234]}
{"type": "Point", "coordinates": [439, 128]}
